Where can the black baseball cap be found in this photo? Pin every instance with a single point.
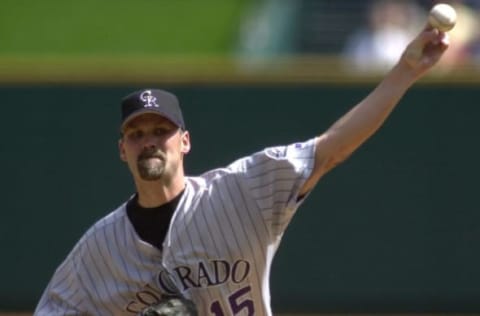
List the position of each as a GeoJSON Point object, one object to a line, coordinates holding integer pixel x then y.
{"type": "Point", "coordinates": [154, 101]}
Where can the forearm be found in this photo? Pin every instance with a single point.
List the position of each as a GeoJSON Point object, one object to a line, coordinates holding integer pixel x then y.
{"type": "Point", "coordinates": [361, 122]}
{"type": "Point", "coordinates": [357, 125]}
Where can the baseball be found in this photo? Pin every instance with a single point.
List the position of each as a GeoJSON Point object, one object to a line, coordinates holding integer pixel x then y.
{"type": "Point", "coordinates": [442, 17]}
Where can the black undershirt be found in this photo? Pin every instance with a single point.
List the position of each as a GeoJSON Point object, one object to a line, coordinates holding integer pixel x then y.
{"type": "Point", "coordinates": [152, 223]}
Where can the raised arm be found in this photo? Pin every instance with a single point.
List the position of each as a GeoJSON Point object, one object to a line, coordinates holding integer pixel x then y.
{"type": "Point", "coordinates": [363, 120]}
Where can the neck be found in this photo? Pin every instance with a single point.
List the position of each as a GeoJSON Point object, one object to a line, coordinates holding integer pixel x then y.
{"type": "Point", "coordinates": [156, 193]}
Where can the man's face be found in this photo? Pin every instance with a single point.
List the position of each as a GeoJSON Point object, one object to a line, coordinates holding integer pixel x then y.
{"type": "Point", "coordinates": [153, 147]}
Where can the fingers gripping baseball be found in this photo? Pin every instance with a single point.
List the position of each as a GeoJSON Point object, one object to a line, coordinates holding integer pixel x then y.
{"type": "Point", "coordinates": [426, 49]}
{"type": "Point", "coordinates": [174, 306]}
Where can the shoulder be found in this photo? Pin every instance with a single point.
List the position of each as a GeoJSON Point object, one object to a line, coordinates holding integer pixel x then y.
{"type": "Point", "coordinates": [116, 216]}
{"type": "Point", "coordinates": [100, 232]}
{"type": "Point", "coordinates": [296, 155]}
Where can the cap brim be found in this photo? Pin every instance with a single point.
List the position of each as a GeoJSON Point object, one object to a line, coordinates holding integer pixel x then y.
{"type": "Point", "coordinates": [145, 111]}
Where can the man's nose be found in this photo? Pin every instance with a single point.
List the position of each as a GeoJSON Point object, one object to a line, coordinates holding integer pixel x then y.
{"type": "Point", "coordinates": [150, 142]}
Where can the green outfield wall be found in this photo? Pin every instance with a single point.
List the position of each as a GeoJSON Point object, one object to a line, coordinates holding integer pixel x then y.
{"type": "Point", "coordinates": [395, 228]}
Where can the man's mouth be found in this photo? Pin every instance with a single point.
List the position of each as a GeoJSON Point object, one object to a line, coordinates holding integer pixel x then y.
{"type": "Point", "coordinates": [150, 158]}
{"type": "Point", "coordinates": [150, 155]}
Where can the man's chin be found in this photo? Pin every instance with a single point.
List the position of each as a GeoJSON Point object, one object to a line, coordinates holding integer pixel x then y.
{"type": "Point", "coordinates": [151, 180]}
{"type": "Point", "coordinates": [151, 177]}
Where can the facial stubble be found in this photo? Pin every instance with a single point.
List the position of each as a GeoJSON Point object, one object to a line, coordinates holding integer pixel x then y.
{"type": "Point", "coordinates": [151, 164]}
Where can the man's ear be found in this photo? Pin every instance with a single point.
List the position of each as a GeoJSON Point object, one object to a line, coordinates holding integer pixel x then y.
{"type": "Point", "coordinates": [121, 151]}
{"type": "Point", "coordinates": [186, 146]}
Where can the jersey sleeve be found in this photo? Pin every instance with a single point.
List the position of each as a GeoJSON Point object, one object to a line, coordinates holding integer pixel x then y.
{"type": "Point", "coordinates": [275, 177]}
{"type": "Point", "coordinates": [63, 295]}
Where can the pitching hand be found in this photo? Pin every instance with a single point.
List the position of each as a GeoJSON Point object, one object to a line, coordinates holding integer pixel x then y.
{"type": "Point", "coordinates": [425, 50]}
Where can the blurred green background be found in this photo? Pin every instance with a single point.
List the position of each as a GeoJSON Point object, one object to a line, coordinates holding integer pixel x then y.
{"type": "Point", "coordinates": [394, 229]}
{"type": "Point", "coordinates": [235, 41]}
{"type": "Point", "coordinates": [208, 27]}
{"type": "Point", "coordinates": [121, 27]}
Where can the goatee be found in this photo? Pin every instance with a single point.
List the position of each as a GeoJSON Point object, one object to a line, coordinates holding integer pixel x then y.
{"type": "Point", "coordinates": [151, 164]}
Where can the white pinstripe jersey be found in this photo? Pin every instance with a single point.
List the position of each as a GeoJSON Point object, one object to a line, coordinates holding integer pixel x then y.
{"type": "Point", "coordinates": [218, 250]}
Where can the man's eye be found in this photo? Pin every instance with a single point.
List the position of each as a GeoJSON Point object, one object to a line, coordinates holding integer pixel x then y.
{"type": "Point", "coordinates": [136, 135]}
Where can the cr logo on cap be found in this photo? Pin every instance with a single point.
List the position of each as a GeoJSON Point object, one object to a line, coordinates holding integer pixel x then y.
{"type": "Point", "coordinates": [149, 99]}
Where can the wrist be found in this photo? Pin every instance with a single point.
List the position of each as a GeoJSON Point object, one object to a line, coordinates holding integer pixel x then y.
{"type": "Point", "coordinates": [403, 75]}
